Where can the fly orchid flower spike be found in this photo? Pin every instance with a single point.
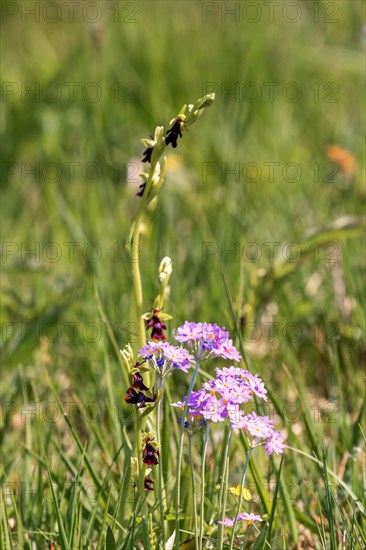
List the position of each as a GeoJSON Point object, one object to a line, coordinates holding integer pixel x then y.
{"type": "Point", "coordinates": [155, 147]}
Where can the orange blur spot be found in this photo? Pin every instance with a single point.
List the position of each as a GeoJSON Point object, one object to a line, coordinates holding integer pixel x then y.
{"type": "Point", "coordinates": [344, 159]}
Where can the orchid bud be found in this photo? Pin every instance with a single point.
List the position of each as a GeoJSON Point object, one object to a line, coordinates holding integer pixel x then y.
{"type": "Point", "coordinates": [165, 269]}
{"type": "Point", "coordinates": [127, 356]}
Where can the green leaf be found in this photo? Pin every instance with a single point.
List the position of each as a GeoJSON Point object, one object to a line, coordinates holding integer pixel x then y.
{"type": "Point", "coordinates": [109, 541]}
{"type": "Point", "coordinates": [278, 481]}
{"type": "Point", "coordinates": [65, 542]}
{"type": "Point", "coordinates": [261, 540]}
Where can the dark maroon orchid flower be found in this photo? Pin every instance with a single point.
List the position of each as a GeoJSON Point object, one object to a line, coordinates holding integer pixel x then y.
{"type": "Point", "coordinates": [142, 189]}
{"type": "Point", "coordinates": [137, 398]}
{"type": "Point", "coordinates": [148, 484]}
{"type": "Point", "coordinates": [148, 454]}
{"type": "Point", "coordinates": [173, 133]}
{"type": "Point", "coordinates": [147, 154]}
{"type": "Point", "coordinates": [157, 326]}
{"type": "Point", "coordinates": [138, 382]}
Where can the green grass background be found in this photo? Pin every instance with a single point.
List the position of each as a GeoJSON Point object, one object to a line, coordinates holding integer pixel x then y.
{"type": "Point", "coordinates": [162, 55]}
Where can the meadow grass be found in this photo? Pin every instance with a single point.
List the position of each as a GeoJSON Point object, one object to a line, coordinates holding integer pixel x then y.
{"type": "Point", "coordinates": [67, 436]}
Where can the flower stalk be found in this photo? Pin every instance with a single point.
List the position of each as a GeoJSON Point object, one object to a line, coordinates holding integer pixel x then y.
{"type": "Point", "coordinates": [203, 466]}
{"type": "Point", "coordinates": [193, 492]}
{"type": "Point", "coordinates": [223, 488]}
{"type": "Point", "coordinates": [242, 485]}
{"type": "Point", "coordinates": [160, 388]}
{"type": "Point", "coordinates": [180, 453]}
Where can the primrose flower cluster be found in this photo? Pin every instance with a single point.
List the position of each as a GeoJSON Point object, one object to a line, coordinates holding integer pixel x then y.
{"type": "Point", "coordinates": [250, 518]}
{"type": "Point", "coordinates": [207, 341]}
{"type": "Point", "coordinates": [164, 358]}
{"type": "Point", "coordinates": [221, 398]}
{"type": "Point", "coordinates": [203, 340]}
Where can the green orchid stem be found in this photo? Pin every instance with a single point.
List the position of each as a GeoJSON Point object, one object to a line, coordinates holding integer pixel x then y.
{"type": "Point", "coordinates": [159, 415]}
{"type": "Point", "coordinates": [193, 493]}
{"type": "Point", "coordinates": [242, 484]}
{"type": "Point", "coordinates": [136, 280]}
{"type": "Point", "coordinates": [141, 422]}
{"type": "Point", "coordinates": [203, 465]}
{"type": "Point", "coordinates": [223, 489]}
{"type": "Point", "coordinates": [142, 471]}
{"type": "Point", "coordinates": [180, 453]}
{"type": "Point", "coordinates": [134, 243]}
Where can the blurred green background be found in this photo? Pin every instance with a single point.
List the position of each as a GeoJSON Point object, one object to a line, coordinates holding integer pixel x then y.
{"type": "Point", "coordinates": [65, 155]}
{"type": "Point", "coordinates": [100, 87]}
